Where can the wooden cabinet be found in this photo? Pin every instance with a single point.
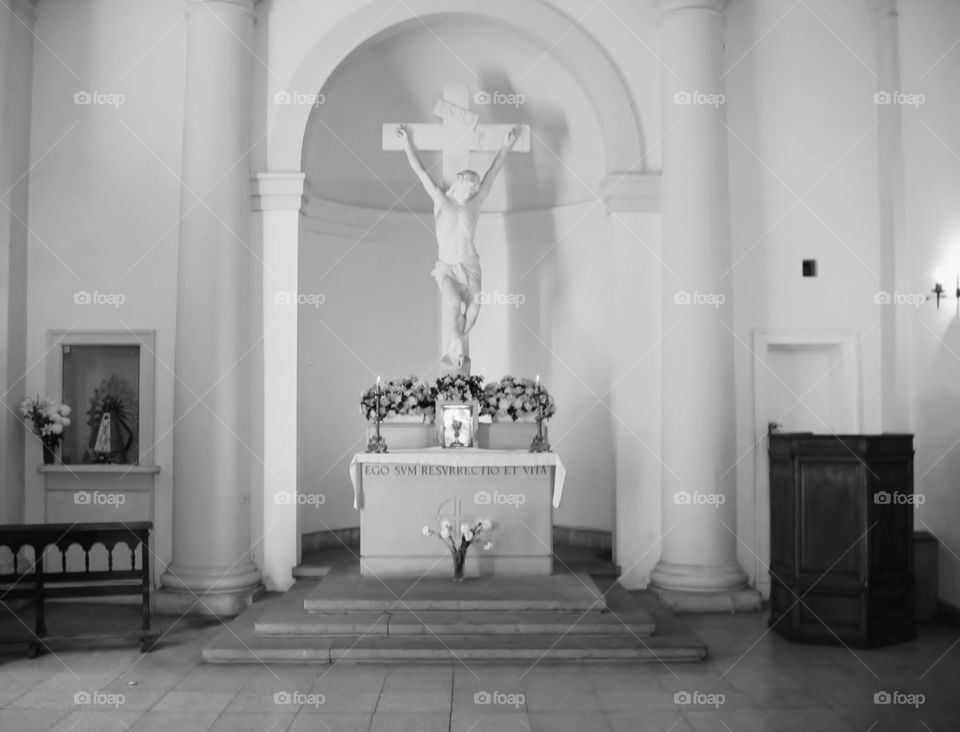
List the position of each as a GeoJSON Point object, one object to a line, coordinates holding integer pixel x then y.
{"type": "Point", "coordinates": [841, 537]}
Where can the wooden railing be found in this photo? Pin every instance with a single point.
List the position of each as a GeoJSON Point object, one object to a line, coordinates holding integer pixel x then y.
{"type": "Point", "coordinates": [35, 548]}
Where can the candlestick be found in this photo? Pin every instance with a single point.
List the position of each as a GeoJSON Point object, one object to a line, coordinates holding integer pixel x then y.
{"type": "Point", "coordinates": [539, 443]}
{"type": "Point", "coordinates": [377, 443]}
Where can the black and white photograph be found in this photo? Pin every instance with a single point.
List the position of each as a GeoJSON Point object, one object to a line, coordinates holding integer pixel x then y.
{"type": "Point", "coordinates": [480, 366]}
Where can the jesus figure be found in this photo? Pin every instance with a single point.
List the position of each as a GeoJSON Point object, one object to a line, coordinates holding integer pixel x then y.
{"type": "Point", "coordinates": [456, 211]}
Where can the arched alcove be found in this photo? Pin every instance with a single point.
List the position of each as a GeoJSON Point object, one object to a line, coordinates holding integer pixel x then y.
{"type": "Point", "coordinates": [367, 243]}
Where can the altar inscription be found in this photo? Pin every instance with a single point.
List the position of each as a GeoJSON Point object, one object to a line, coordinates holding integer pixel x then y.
{"type": "Point", "coordinates": [456, 471]}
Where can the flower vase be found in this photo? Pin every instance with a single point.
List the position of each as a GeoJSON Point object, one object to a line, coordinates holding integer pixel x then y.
{"type": "Point", "coordinates": [459, 559]}
{"type": "Point", "coordinates": [49, 452]}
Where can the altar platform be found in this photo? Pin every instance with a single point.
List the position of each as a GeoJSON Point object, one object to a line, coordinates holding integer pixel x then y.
{"type": "Point", "coordinates": [400, 492]}
{"type": "Point", "coordinates": [333, 615]}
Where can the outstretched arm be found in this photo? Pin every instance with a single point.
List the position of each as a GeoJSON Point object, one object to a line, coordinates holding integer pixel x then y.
{"type": "Point", "coordinates": [486, 184]}
{"type": "Point", "coordinates": [428, 183]}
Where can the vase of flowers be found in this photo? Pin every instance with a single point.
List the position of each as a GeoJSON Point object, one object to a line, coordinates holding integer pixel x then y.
{"type": "Point", "coordinates": [405, 400]}
{"type": "Point", "coordinates": [514, 399]}
{"type": "Point", "coordinates": [459, 539]}
{"type": "Point", "coordinates": [46, 418]}
{"type": "Point", "coordinates": [406, 409]}
{"type": "Point", "coordinates": [511, 405]}
{"type": "Point", "coordinates": [458, 388]}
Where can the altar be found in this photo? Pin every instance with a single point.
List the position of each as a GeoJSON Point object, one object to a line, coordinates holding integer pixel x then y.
{"type": "Point", "coordinates": [400, 492]}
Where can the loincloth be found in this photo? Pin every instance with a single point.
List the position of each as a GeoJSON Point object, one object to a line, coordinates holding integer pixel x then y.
{"type": "Point", "coordinates": [465, 274]}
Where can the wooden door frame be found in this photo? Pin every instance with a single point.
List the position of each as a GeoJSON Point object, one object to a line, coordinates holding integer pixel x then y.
{"type": "Point", "coordinates": [846, 344]}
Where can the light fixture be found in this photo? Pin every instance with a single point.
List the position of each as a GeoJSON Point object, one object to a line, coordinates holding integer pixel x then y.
{"type": "Point", "coordinates": [939, 275]}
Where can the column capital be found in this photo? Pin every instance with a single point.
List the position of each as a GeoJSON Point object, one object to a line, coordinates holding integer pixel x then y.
{"type": "Point", "coordinates": [670, 6]}
{"type": "Point", "coordinates": [277, 191]}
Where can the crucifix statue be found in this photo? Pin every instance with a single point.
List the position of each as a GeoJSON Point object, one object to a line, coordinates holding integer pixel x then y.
{"type": "Point", "coordinates": [456, 205]}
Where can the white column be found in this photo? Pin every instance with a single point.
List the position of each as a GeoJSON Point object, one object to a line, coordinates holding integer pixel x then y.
{"type": "Point", "coordinates": [698, 568]}
{"type": "Point", "coordinates": [633, 210]}
{"type": "Point", "coordinates": [896, 384]}
{"type": "Point", "coordinates": [277, 198]}
{"type": "Point", "coordinates": [212, 463]}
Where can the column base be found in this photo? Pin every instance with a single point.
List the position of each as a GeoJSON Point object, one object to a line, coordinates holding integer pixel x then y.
{"type": "Point", "coordinates": [690, 588]}
{"type": "Point", "coordinates": [209, 592]}
{"type": "Point", "coordinates": [745, 600]}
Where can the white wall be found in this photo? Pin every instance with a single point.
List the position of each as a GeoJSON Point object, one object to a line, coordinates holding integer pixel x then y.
{"type": "Point", "coordinates": [16, 68]}
{"type": "Point", "coordinates": [105, 194]}
{"type": "Point", "coordinates": [802, 124]}
{"type": "Point", "coordinates": [928, 30]}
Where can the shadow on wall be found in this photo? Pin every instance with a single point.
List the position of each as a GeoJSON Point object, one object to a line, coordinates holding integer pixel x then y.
{"type": "Point", "coordinates": [530, 254]}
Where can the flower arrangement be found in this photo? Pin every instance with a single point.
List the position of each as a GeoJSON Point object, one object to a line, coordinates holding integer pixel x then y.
{"type": "Point", "coordinates": [468, 534]}
{"type": "Point", "coordinates": [46, 418]}
{"type": "Point", "coordinates": [512, 397]}
{"type": "Point", "coordinates": [405, 396]}
{"type": "Point", "coordinates": [458, 388]}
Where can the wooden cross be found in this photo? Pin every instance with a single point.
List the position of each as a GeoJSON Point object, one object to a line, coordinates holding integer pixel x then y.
{"type": "Point", "coordinates": [457, 136]}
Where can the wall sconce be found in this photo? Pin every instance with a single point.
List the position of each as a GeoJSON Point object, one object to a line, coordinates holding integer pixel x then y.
{"type": "Point", "coordinates": [939, 276]}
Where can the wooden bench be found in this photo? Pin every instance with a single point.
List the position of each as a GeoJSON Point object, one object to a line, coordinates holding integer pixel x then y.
{"type": "Point", "coordinates": [38, 583]}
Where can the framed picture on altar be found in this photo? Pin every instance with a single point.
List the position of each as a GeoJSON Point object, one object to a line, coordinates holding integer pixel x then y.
{"type": "Point", "coordinates": [457, 423]}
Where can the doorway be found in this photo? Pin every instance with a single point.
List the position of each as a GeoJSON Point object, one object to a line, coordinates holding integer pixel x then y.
{"type": "Point", "coordinates": [804, 381]}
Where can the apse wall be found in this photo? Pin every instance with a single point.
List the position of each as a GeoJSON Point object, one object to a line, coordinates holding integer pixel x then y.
{"type": "Point", "coordinates": [399, 78]}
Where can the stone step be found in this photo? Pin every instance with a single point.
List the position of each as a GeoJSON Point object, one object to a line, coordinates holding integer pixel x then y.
{"type": "Point", "coordinates": [559, 592]}
{"type": "Point", "coordinates": [228, 648]}
{"type": "Point", "coordinates": [401, 623]}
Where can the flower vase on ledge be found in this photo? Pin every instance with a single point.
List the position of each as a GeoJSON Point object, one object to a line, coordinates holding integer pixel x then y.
{"type": "Point", "coordinates": [49, 452]}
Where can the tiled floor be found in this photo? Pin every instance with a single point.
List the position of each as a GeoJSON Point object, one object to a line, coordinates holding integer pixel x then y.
{"type": "Point", "coordinates": [753, 680]}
